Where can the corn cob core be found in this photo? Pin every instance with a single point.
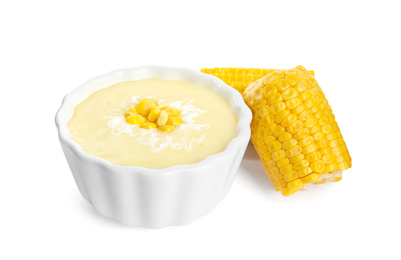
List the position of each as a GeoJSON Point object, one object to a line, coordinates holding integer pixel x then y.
{"type": "Point", "coordinates": [239, 78]}
{"type": "Point", "coordinates": [294, 130]}
{"type": "Point", "coordinates": [148, 115]}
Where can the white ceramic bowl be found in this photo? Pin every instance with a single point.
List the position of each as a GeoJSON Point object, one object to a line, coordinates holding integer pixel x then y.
{"type": "Point", "coordinates": [154, 198]}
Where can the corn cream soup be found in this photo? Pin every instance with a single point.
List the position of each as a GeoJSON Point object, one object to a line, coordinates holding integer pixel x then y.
{"type": "Point", "coordinates": [153, 123]}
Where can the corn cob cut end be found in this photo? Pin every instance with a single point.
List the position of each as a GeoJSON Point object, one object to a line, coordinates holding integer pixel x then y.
{"type": "Point", "coordinates": [294, 130]}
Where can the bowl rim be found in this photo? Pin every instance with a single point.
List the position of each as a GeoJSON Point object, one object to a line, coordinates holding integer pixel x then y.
{"type": "Point", "coordinates": [244, 116]}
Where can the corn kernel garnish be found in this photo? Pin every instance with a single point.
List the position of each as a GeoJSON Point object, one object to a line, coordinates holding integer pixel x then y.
{"type": "Point", "coordinates": [166, 128]}
{"type": "Point", "coordinates": [148, 115]}
{"type": "Point", "coordinates": [144, 106]}
{"type": "Point", "coordinates": [134, 119]}
{"type": "Point", "coordinates": [148, 125]}
{"type": "Point", "coordinates": [154, 114]}
{"type": "Point", "coordinates": [174, 121]}
{"type": "Point", "coordinates": [172, 111]}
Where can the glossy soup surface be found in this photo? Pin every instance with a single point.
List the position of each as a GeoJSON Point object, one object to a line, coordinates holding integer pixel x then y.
{"type": "Point", "coordinates": [98, 124]}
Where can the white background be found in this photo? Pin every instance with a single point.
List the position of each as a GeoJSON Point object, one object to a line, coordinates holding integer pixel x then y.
{"type": "Point", "coordinates": [49, 48]}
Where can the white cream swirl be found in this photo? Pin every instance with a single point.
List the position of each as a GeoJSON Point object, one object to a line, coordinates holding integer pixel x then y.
{"type": "Point", "coordinates": [156, 139]}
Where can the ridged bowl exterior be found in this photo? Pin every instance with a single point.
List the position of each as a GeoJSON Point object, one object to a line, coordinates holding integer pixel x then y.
{"type": "Point", "coordinates": [154, 198]}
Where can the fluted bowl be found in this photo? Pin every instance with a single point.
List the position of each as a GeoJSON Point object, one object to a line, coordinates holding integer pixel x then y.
{"type": "Point", "coordinates": [154, 198]}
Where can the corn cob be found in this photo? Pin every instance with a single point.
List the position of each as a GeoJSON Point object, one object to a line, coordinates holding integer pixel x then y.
{"type": "Point", "coordinates": [239, 78]}
{"type": "Point", "coordinates": [294, 130]}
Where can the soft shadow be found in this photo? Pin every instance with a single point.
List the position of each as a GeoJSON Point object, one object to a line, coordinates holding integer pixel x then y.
{"type": "Point", "coordinates": [254, 170]}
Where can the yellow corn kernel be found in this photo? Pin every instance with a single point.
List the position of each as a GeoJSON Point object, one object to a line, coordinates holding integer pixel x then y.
{"type": "Point", "coordinates": [267, 120]}
{"type": "Point", "coordinates": [289, 94]}
{"type": "Point", "coordinates": [295, 133]}
{"type": "Point", "coordinates": [275, 98]}
{"type": "Point", "coordinates": [130, 111]}
{"type": "Point", "coordinates": [277, 155]}
{"type": "Point", "coordinates": [310, 178]}
{"type": "Point", "coordinates": [310, 102]}
{"type": "Point", "coordinates": [291, 118]}
{"type": "Point", "coordinates": [299, 109]}
{"type": "Point", "coordinates": [269, 91]}
{"type": "Point", "coordinates": [174, 121]}
{"type": "Point", "coordinates": [270, 129]}
{"type": "Point", "coordinates": [282, 85]}
{"type": "Point", "coordinates": [326, 129]}
{"type": "Point", "coordinates": [340, 159]}
{"type": "Point", "coordinates": [144, 106]}
{"type": "Point", "coordinates": [154, 113]}
{"type": "Point", "coordinates": [325, 150]}
{"type": "Point", "coordinates": [282, 184]}
{"type": "Point", "coordinates": [296, 184]}
{"type": "Point", "coordinates": [162, 120]}
{"type": "Point", "coordinates": [274, 146]}
{"type": "Point", "coordinates": [344, 165]}
{"type": "Point", "coordinates": [284, 136]}
{"type": "Point", "coordinates": [268, 140]}
{"type": "Point", "coordinates": [275, 108]}
{"type": "Point", "coordinates": [281, 115]}
{"type": "Point", "coordinates": [135, 120]}
{"type": "Point", "coordinates": [290, 143]}
{"type": "Point", "coordinates": [271, 80]}
{"type": "Point", "coordinates": [329, 159]}
{"type": "Point", "coordinates": [306, 141]}
{"type": "Point", "coordinates": [310, 122]}
{"type": "Point", "coordinates": [271, 164]}
{"type": "Point", "coordinates": [293, 103]}
{"type": "Point", "coordinates": [293, 151]}
{"type": "Point", "coordinates": [297, 158]}
{"type": "Point", "coordinates": [331, 167]}
{"type": "Point", "coordinates": [287, 191]}
{"type": "Point", "coordinates": [282, 162]}
{"type": "Point", "coordinates": [309, 148]}
{"type": "Point", "coordinates": [292, 79]}
{"type": "Point", "coordinates": [303, 172]}
{"type": "Point", "coordinates": [314, 156]}
{"type": "Point", "coordinates": [304, 95]}
{"type": "Point", "coordinates": [315, 129]}
{"type": "Point", "coordinates": [305, 115]}
{"type": "Point", "coordinates": [276, 170]}
{"type": "Point", "coordinates": [318, 136]}
{"type": "Point", "coordinates": [322, 143]}
{"type": "Point", "coordinates": [301, 165]}
{"type": "Point", "coordinates": [318, 166]}
{"type": "Point", "coordinates": [295, 127]}
{"type": "Point", "coordinates": [278, 130]}
{"type": "Point", "coordinates": [278, 176]}
{"type": "Point", "coordinates": [166, 128]}
{"type": "Point", "coordinates": [263, 111]}
{"type": "Point", "coordinates": [148, 125]}
{"type": "Point", "coordinates": [301, 86]}
{"type": "Point", "coordinates": [260, 103]}
{"type": "Point", "coordinates": [290, 175]}
{"type": "Point", "coordinates": [172, 111]}
{"type": "Point", "coordinates": [304, 132]}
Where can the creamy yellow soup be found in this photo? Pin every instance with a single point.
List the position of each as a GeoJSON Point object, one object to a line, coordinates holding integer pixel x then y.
{"type": "Point", "coordinates": [99, 126]}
